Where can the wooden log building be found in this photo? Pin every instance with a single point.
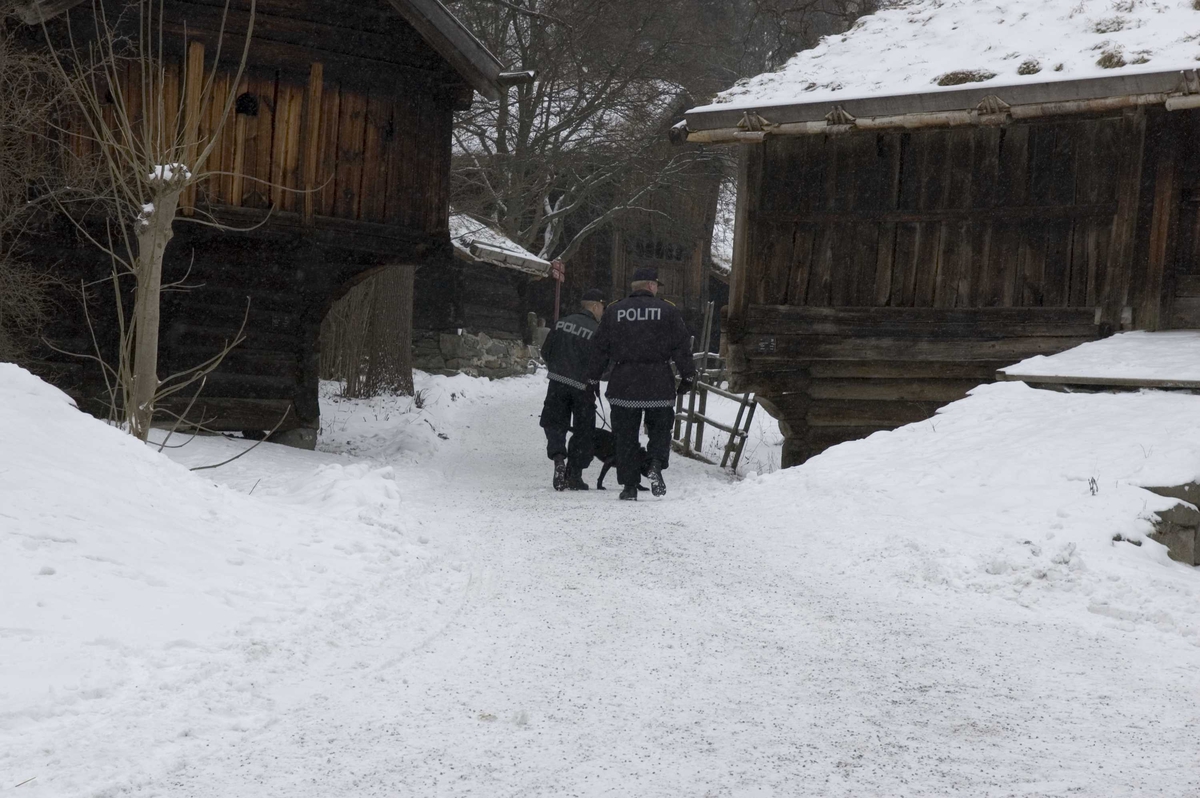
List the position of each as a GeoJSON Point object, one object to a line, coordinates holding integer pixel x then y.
{"type": "Point", "coordinates": [336, 163]}
{"type": "Point", "coordinates": [892, 252]}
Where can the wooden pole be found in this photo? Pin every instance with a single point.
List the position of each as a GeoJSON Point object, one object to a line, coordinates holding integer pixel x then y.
{"type": "Point", "coordinates": [737, 458]}
{"type": "Point", "coordinates": [691, 411]}
{"type": "Point", "coordinates": [707, 335]}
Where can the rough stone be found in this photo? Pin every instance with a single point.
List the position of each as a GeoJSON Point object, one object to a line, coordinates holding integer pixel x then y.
{"type": "Point", "coordinates": [499, 356]}
{"type": "Point", "coordinates": [1178, 527]}
{"type": "Point", "coordinates": [299, 438]}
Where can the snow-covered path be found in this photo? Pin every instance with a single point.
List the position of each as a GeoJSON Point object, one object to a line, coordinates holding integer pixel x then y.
{"type": "Point", "coordinates": [571, 644]}
{"type": "Point", "coordinates": [661, 649]}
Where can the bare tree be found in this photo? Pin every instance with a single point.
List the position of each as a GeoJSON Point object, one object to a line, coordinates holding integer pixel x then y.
{"type": "Point", "coordinates": [582, 140]}
{"type": "Point", "coordinates": [754, 36]}
{"type": "Point", "coordinates": [152, 161]}
{"type": "Point", "coordinates": [554, 161]}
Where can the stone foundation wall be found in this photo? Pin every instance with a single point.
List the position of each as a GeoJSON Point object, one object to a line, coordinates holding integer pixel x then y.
{"type": "Point", "coordinates": [476, 355]}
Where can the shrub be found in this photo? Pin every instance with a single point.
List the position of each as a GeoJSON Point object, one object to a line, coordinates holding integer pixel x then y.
{"type": "Point", "coordinates": [1110, 25]}
{"type": "Point", "coordinates": [961, 76]}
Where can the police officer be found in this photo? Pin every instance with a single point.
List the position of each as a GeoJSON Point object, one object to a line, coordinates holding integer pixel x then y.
{"type": "Point", "coordinates": [641, 336]}
{"type": "Point", "coordinates": [566, 353]}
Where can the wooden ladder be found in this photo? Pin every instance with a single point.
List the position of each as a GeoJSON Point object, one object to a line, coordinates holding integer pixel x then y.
{"type": "Point", "coordinates": [694, 418]}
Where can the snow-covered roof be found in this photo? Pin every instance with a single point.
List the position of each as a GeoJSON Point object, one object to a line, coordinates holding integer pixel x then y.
{"type": "Point", "coordinates": [430, 18]}
{"type": "Point", "coordinates": [1163, 359]}
{"type": "Point", "coordinates": [475, 242]}
{"type": "Point", "coordinates": [921, 47]}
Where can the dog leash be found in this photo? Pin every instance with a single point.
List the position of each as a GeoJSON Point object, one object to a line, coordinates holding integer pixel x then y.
{"type": "Point", "coordinates": [600, 409]}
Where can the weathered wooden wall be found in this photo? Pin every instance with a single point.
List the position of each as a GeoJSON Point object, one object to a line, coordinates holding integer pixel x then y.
{"type": "Point", "coordinates": [671, 238]}
{"type": "Point", "coordinates": [475, 297]}
{"type": "Point", "coordinates": [878, 276]}
{"type": "Point", "coordinates": [344, 114]}
{"type": "Point", "coordinates": [336, 161]}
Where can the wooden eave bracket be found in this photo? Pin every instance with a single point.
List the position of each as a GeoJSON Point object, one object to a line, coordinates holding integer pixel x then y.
{"type": "Point", "coordinates": [1187, 93]}
{"type": "Point", "coordinates": [992, 105]}
{"type": "Point", "coordinates": [839, 117]}
{"type": "Point", "coordinates": [1189, 82]}
{"type": "Point", "coordinates": [751, 122]}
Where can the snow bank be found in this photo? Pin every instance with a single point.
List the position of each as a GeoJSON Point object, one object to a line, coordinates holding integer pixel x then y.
{"type": "Point", "coordinates": [113, 557]}
{"type": "Point", "coordinates": [909, 45]}
{"type": "Point", "coordinates": [1013, 491]}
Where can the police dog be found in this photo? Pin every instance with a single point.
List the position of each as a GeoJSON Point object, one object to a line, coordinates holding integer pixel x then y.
{"type": "Point", "coordinates": [605, 444]}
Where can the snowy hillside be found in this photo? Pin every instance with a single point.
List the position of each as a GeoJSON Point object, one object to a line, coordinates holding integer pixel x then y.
{"type": "Point", "coordinates": [939, 610]}
{"type": "Point", "coordinates": [913, 46]}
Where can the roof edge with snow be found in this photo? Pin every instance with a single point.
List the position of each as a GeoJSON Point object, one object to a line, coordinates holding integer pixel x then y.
{"type": "Point", "coordinates": [444, 32]}
{"type": "Point", "coordinates": [981, 105]}
{"type": "Point", "coordinates": [477, 242]}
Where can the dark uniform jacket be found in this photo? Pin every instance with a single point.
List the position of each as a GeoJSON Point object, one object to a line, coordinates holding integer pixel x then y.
{"type": "Point", "coordinates": [567, 350]}
{"type": "Point", "coordinates": [640, 336]}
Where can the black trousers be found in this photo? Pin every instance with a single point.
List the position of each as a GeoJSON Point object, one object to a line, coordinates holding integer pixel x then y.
{"type": "Point", "coordinates": [568, 409]}
{"type": "Point", "coordinates": [625, 424]}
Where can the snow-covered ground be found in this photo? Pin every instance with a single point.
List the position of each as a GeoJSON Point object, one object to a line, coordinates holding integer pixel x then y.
{"type": "Point", "coordinates": [909, 45]}
{"type": "Point", "coordinates": [939, 610]}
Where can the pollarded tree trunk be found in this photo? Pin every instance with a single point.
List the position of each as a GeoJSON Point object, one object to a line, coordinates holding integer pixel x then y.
{"type": "Point", "coordinates": [366, 340]}
{"type": "Point", "coordinates": [389, 351]}
{"type": "Point", "coordinates": [155, 232]}
{"type": "Point", "coordinates": [344, 334]}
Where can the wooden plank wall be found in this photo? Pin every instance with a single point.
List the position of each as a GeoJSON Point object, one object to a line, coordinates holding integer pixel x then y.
{"type": "Point", "coordinates": [326, 149]}
{"type": "Point", "coordinates": [1018, 216]}
{"type": "Point", "coordinates": [673, 238]}
{"type": "Point", "coordinates": [1185, 288]}
{"type": "Point", "coordinates": [352, 111]}
{"type": "Point", "coordinates": [878, 276]}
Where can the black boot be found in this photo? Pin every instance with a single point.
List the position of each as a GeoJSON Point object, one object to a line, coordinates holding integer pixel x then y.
{"type": "Point", "coordinates": [657, 486]}
{"type": "Point", "coordinates": [560, 472]}
{"type": "Point", "coordinates": [575, 480]}
{"type": "Point", "coordinates": [629, 494]}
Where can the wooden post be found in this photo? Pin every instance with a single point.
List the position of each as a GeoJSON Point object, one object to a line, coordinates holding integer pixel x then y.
{"type": "Point", "coordinates": [193, 100]}
{"type": "Point", "coordinates": [691, 411]}
{"type": "Point", "coordinates": [558, 271]}
{"type": "Point", "coordinates": [706, 336]}
{"type": "Point", "coordinates": [700, 422]}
